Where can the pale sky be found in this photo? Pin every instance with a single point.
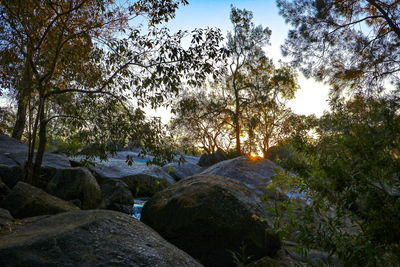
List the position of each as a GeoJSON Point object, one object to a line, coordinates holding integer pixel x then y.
{"type": "Point", "coordinates": [311, 99]}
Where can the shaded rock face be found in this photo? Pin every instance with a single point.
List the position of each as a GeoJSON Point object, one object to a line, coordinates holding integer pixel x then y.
{"type": "Point", "coordinates": [76, 183]}
{"type": "Point", "coordinates": [116, 196]}
{"type": "Point", "coordinates": [255, 174]}
{"type": "Point", "coordinates": [4, 190]}
{"type": "Point", "coordinates": [25, 200]}
{"type": "Point", "coordinates": [208, 216]}
{"type": "Point", "coordinates": [88, 238]}
{"type": "Point", "coordinates": [8, 145]}
{"type": "Point", "coordinates": [5, 219]}
{"type": "Point", "coordinates": [10, 172]}
{"type": "Point", "coordinates": [141, 179]}
{"type": "Point", "coordinates": [182, 170]}
{"type": "Point", "coordinates": [207, 160]}
{"type": "Point", "coordinates": [51, 163]}
{"type": "Point", "coordinates": [13, 156]}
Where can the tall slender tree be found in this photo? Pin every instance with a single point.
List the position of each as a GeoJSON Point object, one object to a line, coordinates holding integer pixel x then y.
{"type": "Point", "coordinates": [245, 43]}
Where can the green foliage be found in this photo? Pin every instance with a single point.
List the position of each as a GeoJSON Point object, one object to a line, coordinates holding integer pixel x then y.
{"type": "Point", "coordinates": [351, 174]}
{"type": "Point", "coordinates": [200, 122]}
{"type": "Point", "coordinates": [350, 44]}
{"type": "Point", "coordinates": [82, 70]}
{"type": "Point", "coordinates": [7, 118]}
{"type": "Point", "coordinates": [241, 258]}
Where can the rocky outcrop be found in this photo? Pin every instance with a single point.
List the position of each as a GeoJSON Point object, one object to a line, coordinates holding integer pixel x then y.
{"type": "Point", "coordinates": [76, 183]}
{"type": "Point", "coordinates": [180, 171]}
{"type": "Point", "coordinates": [13, 156]}
{"type": "Point", "coordinates": [255, 174]}
{"type": "Point", "coordinates": [211, 216]}
{"type": "Point", "coordinates": [4, 190]}
{"type": "Point", "coordinates": [25, 200]}
{"type": "Point", "coordinates": [87, 238]}
{"type": "Point", "coordinates": [5, 219]}
{"type": "Point", "coordinates": [8, 145]}
{"type": "Point", "coordinates": [116, 196]}
{"type": "Point", "coordinates": [207, 160]}
{"type": "Point", "coordinates": [10, 171]}
{"type": "Point", "coordinates": [141, 179]}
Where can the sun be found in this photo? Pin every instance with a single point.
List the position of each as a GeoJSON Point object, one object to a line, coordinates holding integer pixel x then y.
{"type": "Point", "coordinates": [254, 156]}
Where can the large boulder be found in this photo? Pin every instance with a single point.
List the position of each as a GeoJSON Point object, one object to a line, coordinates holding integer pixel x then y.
{"type": "Point", "coordinates": [76, 183]}
{"type": "Point", "coordinates": [210, 217]}
{"type": "Point", "coordinates": [8, 144]}
{"type": "Point", "coordinates": [10, 171]}
{"type": "Point", "coordinates": [25, 200]}
{"type": "Point", "coordinates": [207, 160]}
{"type": "Point", "coordinates": [141, 179]}
{"type": "Point", "coordinates": [13, 156]}
{"type": "Point", "coordinates": [182, 170]}
{"type": "Point", "coordinates": [17, 152]}
{"type": "Point", "coordinates": [255, 174]}
{"type": "Point", "coordinates": [87, 238]}
{"type": "Point", "coordinates": [51, 163]}
{"type": "Point", "coordinates": [4, 190]}
{"type": "Point", "coordinates": [11, 175]}
{"type": "Point", "coordinates": [116, 195]}
{"type": "Point", "coordinates": [5, 219]}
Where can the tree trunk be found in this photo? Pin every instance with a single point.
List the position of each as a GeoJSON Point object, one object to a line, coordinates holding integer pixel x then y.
{"type": "Point", "coordinates": [30, 166]}
{"type": "Point", "coordinates": [24, 92]}
{"type": "Point", "coordinates": [40, 150]}
{"type": "Point", "coordinates": [19, 125]}
{"type": "Point", "coordinates": [237, 123]}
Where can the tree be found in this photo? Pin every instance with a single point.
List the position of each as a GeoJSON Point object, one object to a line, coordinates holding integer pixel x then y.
{"type": "Point", "coordinates": [253, 85]}
{"type": "Point", "coordinates": [86, 51]}
{"type": "Point", "coordinates": [245, 44]}
{"type": "Point", "coordinates": [350, 44]}
{"type": "Point", "coordinates": [245, 100]}
{"type": "Point", "coordinates": [265, 114]}
{"type": "Point", "coordinates": [352, 176]}
{"type": "Point", "coordinates": [199, 118]}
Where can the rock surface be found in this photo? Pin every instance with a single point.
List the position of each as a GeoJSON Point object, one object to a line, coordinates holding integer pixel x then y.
{"type": "Point", "coordinates": [13, 156]}
{"type": "Point", "coordinates": [11, 174]}
{"type": "Point", "coordinates": [255, 174]}
{"type": "Point", "coordinates": [115, 195]}
{"type": "Point", "coordinates": [76, 183]}
{"type": "Point", "coordinates": [182, 170]}
{"type": "Point", "coordinates": [5, 219]}
{"type": "Point", "coordinates": [4, 190]}
{"type": "Point", "coordinates": [87, 238]}
{"type": "Point", "coordinates": [208, 216]}
{"type": "Point", "coordinates": [8, 145]}
{"type": "Point", "coordinates": [141, 179]}
{"type": "Point", "coordinates": [207, 160]}
{"type": "Point", "coordinates": [25, 200]}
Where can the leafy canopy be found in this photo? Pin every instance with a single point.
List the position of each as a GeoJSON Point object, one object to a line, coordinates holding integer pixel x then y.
{"type": "Point", "coordinates": [350, 44]}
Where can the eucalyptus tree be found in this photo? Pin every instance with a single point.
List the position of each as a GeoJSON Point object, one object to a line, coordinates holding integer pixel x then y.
{"type": "Point", "coordinates": [90, 51]}
{"type": "Point", "coordinates": [201, 120]}
{"type": "Point", "coordinates": [266, 113]}
{"type": "Point", "coordinates": [253, 85]}
{"type": "Point", "coordinates": [245, 44]}
{"type": "Point", "coordinates": [350, 44]}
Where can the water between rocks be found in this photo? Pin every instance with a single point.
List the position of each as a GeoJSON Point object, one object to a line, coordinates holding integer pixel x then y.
{"type": "Point", "coordinates": [137, 208]}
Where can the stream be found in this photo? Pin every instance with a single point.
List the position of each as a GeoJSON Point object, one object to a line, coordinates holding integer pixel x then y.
{"type": "Point", "coordinates": [137, 208]}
